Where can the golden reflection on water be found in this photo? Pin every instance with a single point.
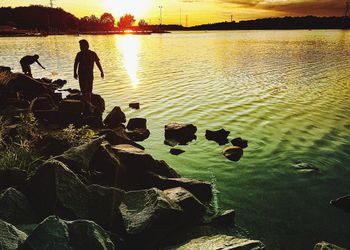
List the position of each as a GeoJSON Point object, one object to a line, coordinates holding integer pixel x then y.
{"type": "Point", "coordinates": [129, 47]}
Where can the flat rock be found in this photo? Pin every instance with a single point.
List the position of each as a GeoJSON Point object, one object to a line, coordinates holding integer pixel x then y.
{"type": "Point", "coordinates": [233, 153]}
{"type": "Point", "coordinates": [224, 242]}
{"type": "Point", "coordinates": [239, 142]}
{"type": "Point", "coordinates": [137, 123]}
{"type": "Point", "coordinates": [15, 208]}
{"type": "Point", "coordinates": [226, 218]}
{"type": "Point", "coordinates": [134, 105]}
{"type": "Point", "coordinates": [138, 134]}
{"type": "Point", "coordinates": [219, 136]}
{"type": "Point", "coordinates": [55, 189]}
{"type": "Point", "coordinates": [327, 246]}
{"type": "Point", "coordinates": [342, 203]}
{"type": "Point", "coordinates": [117, 137]}
{"type": "Point", "coordinates": [56, 234]}
{"type": "Point", "coordinates": [10, 237]}
{"type": "Point", "coordinates": [183, 133]}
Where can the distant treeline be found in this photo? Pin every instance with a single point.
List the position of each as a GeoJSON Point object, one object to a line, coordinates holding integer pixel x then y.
{"type": "Point", "coordinates": [307, 22]}
{"type": "Point", "coordinates": [45, 19]}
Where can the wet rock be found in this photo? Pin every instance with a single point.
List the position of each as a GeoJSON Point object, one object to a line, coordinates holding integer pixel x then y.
{"type": "Point", "coordinates": [54, 189]}
{"type": "Point", "coordinates": [22, 83]}
{"type": "Point", "coordinates": [137, 123]}
{"type": "Point", "coordinates": [219, 136]}
{"type": "Point", "coordinates": [5, 69]}
{"type": "Point", "coordinates": [56, 234]}
{"type": "Point", "coordinates": [200, 189]}
{"type": "Point", "coordinates": [41, 103]}
{"type": "Point", "coordinates": [176, 151]}
{"type": "Point", "coordinates": [327, 246]}
{"type": "Point", "coordinates": [134, 105]}
{"type": "Point", "coordinates": [138, 134]}
{"type": "Point", "coordinates": [183, 133]}
{"type": "Point", "coordinates": [233, 153]}
{"type": "Point", "coordinates": [15, 208]}
{"type": "Point", "coordinates": [94, 121]}
{"type": "Point", "coordinates": [171, 142]}
{"type": "Point", "coordinates": [148, 216]}
{"type": "Point", "coordinates": [306, 168]}
{"type": "Point", "coordinates": [239, 142]}
{"type": "Point", "coordinates": [71, 106]}
{"type": "Point", "coordinates": [12, 177]}
{"type": "Point", "coordinates": [10, 237]}
{"type": "Point", "coordinates": [342, 203]}
{"type": "Point", "coordinates": [226, 218]}
{"type": "Point", "coordinates": [137, 160]}
{"type": "Point", "coordinates": [191, 206]}
{"type": "Point", "coordinates": [79, 158]}
{"type": "Point", "coordinates": [118, 136]}
{"type": "Point", "coordinates": [98, 102]}
{"type": "Point", "coordinates": [59, 83]}
{"type": "Point", "coordinates": [115, 118]}
{"type": "Point", "coordinates": [220, 242]}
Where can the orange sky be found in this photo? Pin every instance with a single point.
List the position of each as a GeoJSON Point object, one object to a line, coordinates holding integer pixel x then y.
{"type": "Point", "coordinates": [197, 11]}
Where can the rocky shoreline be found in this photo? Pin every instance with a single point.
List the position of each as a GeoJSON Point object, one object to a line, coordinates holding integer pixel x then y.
{"type": "Point", "coordinates": [84, 182]}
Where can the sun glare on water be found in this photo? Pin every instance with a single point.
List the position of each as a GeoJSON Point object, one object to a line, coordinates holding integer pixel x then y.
{"type": "Point", "coordinates": [118, 8]}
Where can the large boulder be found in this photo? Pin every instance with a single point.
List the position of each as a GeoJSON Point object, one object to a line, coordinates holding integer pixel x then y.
{"type": "Point", "coordinates": [12, 177]}
{"type": "Point", "coordinates": [115, 118]}
{"type": "Point", "coordinates": [79, 158]}
{"type": "Point", "coordinates": [137, 123]}
{"type": "Point", "coordinates": [200, 189]}
{"type": "Point", "coordinates": [220, 242]}
{"type": "Point", "coordinates": [56, 234]}
{"type": "Point", "coordinates": [54, 189]}
{"type": "Point", "coordinates": [10, 237]}
{"type": "Point", "coordinates": [342, 203]}
{"type": "Point", "coordinates": [191, 206]}
{"type": "Point", "coordinates": [219, 136]}
{"type": "Point", "coordinates": [327, 246]}
{"type": "Point", "coordinates": [15, 208]}
{"type": "Point", "coordinates": [183, 133]}
{"type": "Point", "coordinates": [148, 216]}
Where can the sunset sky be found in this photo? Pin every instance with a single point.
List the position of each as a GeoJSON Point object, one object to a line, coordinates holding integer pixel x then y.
{"type": "Point", "coordinates": [197, 11]}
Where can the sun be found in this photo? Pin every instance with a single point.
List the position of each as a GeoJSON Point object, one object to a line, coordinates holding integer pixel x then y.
{"type": "Point", "coordinates": [118, 8]}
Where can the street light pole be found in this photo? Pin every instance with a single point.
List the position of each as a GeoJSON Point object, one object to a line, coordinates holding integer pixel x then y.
{"type": "Point", "coordinates": [160, 14]}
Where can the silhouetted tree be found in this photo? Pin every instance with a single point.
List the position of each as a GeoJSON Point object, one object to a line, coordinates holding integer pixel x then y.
{"type": "Point", "coordinates": [126, 21]}
{"type": "Point", "coordinates": [107, 21]}
{"type": "Point", "coordinates": [142, 23]}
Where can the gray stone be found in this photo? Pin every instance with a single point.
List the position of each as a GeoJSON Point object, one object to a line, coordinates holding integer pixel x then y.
{"type": "Point", "coordinates": [15, 208]}
{"type": "Point", "coordinates": [79, 158]}
{"type": "Point", "coordinates": [148, 216]}
{"type": "Point", "coordinates": [327, 246]}
{"type": "Point", "coordinates": [10, 237]}
{"type": "Point", "coordinates": [54, 189]}
{"type": "Point", "coordinates": [222, 242]}
{"type": "Point", "coordinates": [56, 234]}
{"type": "Point", "coordinates": [342, 203]}
{"type": "Point", "coordinates": [233, 153]}
{"type": "Point", "coordinates": [191, 206]}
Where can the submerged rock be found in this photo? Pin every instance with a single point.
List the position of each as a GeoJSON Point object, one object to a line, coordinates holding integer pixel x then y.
{"type": "Point", "coordinates": [219, 136]}
{"type": "Point", "coordinates": [306, 168]}
{"type": "Point", "coordinates": [56, 234]}
{"type": "Point", "coordinates": [10, 237]}
{"type": "Point", "coordinates": [233, 153]}
{"type": "Point", "coordinates": [134, 105]}
{"type": "Point", "coordinates": [115, 118]}
{"type": "Point", "coordinates": [183, 133]}
{"type": "Point", "coordinates": [220, 242]}
{"type": "Point", "coordinates": [239, 142]}
{"type": "Point", "coordinates": [327, 246]}
{"type": "Point", "coordinates": [15, 208]}
{"type": "Point", "coordinates": [342, 203]}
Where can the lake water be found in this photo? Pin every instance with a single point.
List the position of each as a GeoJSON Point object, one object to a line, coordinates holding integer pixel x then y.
{"type": "Point", "coordinates": [287, 92]}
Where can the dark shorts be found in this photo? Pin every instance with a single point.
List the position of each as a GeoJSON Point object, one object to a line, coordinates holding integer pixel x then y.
{"type": "Point", "coordinates": [25, 68]}
{"type": "Point", "coordinates": [85, 82]}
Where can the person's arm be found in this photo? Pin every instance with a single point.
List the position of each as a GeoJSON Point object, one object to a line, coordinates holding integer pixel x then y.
{"type": "Point", "coordinates": [40, 64]}
{"type": "Point", "coordinates": [97, 60]}
{"type": "Point", "coordinates": [76, 62]}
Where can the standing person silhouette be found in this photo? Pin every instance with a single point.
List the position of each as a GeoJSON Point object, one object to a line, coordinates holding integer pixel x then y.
{"type": "Point", "coordinates": [84, 62]}
{"type": "Point", "coordinates": [27, 61]}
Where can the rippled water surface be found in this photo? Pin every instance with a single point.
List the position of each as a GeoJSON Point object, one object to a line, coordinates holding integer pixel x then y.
{"type": "Point", "coordinates": [287, 92]}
